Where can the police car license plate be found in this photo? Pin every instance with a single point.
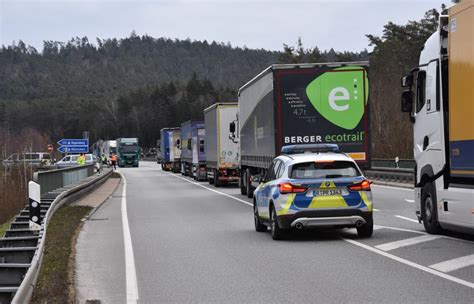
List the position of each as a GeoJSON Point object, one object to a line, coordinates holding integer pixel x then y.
{"type": "Point", "coordinates": [327, 192]}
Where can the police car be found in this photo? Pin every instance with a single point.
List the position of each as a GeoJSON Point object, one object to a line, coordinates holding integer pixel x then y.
{"type": "Point", "coordinates": [312, 186]}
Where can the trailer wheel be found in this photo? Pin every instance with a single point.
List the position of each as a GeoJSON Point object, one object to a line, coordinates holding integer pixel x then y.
{"type": "Point", "coordinates": [242, 179]}
{"type": "Point", "coordinates": [248, 186]}
{"type": "Point", "coordinates": [429, 210]}
{"type": "Point", "coordinates": [217, 183]}
{"type": "Point", "coordinates": [210, 180]}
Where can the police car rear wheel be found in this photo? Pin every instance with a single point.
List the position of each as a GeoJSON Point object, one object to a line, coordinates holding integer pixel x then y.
{"type": "Point", "coordinates": [366, 230]}
{"type": "Point", "coordinates": [259, 227]}
{"type": "Point", "coordinates": [277, 233]}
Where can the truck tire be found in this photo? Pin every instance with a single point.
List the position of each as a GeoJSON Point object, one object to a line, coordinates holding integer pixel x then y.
{"type": "Point", "coordinates": [217, 183]}
{"type": "Point", "coordinates": [210, 180]}
{"type": "Point", "coordinates": [243, 189]}
{"type": "Point", "coordinates": [429, 210]}
{"type": "Point", "coordinates": [248, 186]}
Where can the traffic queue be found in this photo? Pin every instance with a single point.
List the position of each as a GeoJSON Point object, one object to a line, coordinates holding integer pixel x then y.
{"type": "Point", "coordinates": [295, 142]}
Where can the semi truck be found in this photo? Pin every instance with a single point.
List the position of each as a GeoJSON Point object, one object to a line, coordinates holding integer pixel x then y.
{"type": "Point", "coordinates": [170, 149]}
{"type": "Point", "coordinates": [305, 103]}
{"type": "Point", "coordinates": [198, 134]}
{"type": "Point", "coordinates": [109, 147]}
{"type": "Point", "coordinates": [222, 157]}
{"type": "Point", "coordinates": [188, 129]}
{"type": "Point", "coordinates": [440, 100]}
{"type": "Point", "coordinates": [128, 152]}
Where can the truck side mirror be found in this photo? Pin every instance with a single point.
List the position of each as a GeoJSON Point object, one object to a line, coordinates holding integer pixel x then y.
{"type": "Point", "coordinates": [407, 101]}
{"type": "Point", "coordinates": [407, 81]}
{"type": "Point", "coordinates": [232, 127]}
{"type": "Point", "coordinates": [178, 143]}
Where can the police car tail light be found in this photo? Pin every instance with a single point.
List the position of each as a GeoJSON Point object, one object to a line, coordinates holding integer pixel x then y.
{"type": "Point", "coordinates": [290, 188]}
{"type": "Point", "coordinates": [362, 186]}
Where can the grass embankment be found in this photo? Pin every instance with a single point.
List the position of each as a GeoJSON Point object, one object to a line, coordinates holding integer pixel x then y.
{"type": "Point", "coordinates": [4, 227]}
{"type": "Point", "coordinates": [13, 191]}
{"type": "Point", "coordinates": [56, 279]}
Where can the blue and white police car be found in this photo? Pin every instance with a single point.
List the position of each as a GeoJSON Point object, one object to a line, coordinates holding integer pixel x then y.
{"type": "Point", "coordinates": [313, 186]}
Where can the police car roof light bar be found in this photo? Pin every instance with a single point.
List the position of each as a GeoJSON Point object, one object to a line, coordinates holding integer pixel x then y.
{"type": "Point", "coordinates": [309, 148]}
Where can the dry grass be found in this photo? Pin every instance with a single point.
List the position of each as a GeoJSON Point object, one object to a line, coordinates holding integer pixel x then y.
{"type": "Point", "coordinates": [56, 280]}
{"type": "Point", "coordinates": [13, 190]}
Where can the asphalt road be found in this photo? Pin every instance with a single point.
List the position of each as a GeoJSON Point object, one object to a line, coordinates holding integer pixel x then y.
{"type": "Point", "coordinates": [191, 242]}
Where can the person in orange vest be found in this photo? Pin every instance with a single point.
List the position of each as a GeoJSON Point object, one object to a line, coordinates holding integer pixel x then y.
{"type": "Point", "coordinates": [113, 159]}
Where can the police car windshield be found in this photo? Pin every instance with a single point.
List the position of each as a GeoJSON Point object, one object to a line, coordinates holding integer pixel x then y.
{"type": "Point", "coordinates": [334, 169]}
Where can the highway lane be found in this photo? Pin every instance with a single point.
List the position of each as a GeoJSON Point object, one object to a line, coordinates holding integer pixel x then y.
{"type": "Point", "coordinates": [192, 244]}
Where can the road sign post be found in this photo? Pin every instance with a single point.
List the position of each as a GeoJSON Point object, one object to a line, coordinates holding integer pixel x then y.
{"type": "Point", "coordinates": [34, 193]}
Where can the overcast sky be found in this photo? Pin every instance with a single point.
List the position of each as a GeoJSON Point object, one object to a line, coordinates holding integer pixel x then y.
{"type": "Point", "coordinates": [267, 24]}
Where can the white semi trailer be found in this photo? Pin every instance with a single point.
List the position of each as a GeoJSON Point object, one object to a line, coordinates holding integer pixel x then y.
{"type": "Point", "coordinates": [222, 158]}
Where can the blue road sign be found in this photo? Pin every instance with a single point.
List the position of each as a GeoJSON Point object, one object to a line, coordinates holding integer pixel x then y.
{"type": "Point", "coordinates": [77, 149]}
{"type": "Point", "coordinates": [74, 142]}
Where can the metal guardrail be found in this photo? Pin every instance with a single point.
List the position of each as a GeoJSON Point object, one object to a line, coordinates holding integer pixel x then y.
{"type": "Point", "coordinates": [54, 179]}
{"type": "Point", "coordinates": [392, 163]}
{"type": "Point", "coordinates": [21, 250]}
{"type": "Point", "coordinates": [396, 175]}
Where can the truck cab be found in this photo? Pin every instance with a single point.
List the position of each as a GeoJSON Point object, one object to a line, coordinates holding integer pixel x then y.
{"type": "Point", "coordinates": [440, 100]}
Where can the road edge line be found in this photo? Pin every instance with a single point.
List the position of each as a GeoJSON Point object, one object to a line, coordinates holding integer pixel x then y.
{"type": "Point", "coordinates": [130, 270]}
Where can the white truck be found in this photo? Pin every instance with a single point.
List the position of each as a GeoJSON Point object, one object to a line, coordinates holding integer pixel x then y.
{"type": "Point", "coordinates": [109, 147]}
{"type": "Point", "coordinates": [440, 100]}
{"type": "Point", "coordinates": [222, 158]}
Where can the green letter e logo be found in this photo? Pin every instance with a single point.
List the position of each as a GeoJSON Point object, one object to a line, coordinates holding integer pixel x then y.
{"type": "Point", "coordinates": [338, 95]}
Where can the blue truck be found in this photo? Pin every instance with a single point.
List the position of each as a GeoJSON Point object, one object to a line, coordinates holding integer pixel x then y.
{"type": "Point", "coordinates": [170, 149]}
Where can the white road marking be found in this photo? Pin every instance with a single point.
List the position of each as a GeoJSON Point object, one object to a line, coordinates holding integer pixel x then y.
{"type": "Point", "coordinates": [391, 187]}
{"type": "Point", "coordinates": [406, 218]}
{"type": "Point", "coordinates": [218, 192]}
{"type": "Point", "coordinates": [375, 250]}
{"type": "Point", "coordinates": [406, 242]}
{"type": "Point", "coordinates": [401, 229]}
{"type": "Point", "coordinates": [409, 200]}
{"type": "Point", "coordinates": [454, 264]}
{"type": "Point", "coordinates": [411, 264]}
{"type": "Point", "coordinates": [375, 209]}
{"type": "Point", "coordinates": [130, 271]}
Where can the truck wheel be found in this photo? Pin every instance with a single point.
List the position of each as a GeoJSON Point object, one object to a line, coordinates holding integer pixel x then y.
{"type": "Point", "coordinates": [243, 189]}
{"type": "Point", "coordinates": [429, 210]}
{"type": "Point", "coordinates": [217, 183]}
{"type": "Point", "coordinates": [248, 187]}
{"type": "Point", "coordinates": [210, 180]}
{"type": "Point", "coordinates": [366, 230]}
{"type": "Point", "coordinates": [259, 227]}
{"type": "Point", "coordinates": [277, 233]}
